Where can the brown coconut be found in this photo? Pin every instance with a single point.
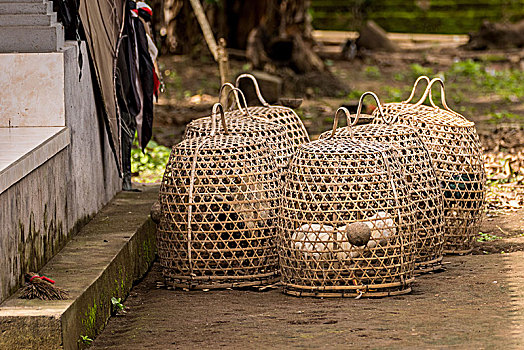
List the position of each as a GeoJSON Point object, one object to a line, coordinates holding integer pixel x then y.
{"type": "Point", "coordinates": [358, 233]}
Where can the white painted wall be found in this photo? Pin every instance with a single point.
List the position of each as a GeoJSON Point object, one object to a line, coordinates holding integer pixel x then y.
{"type": "Point", "coordinates": [32, 89]}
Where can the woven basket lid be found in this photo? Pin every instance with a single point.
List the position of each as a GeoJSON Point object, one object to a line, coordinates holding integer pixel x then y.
{"type": "Point", "coordinates": [417, 113]}
{"type": "Point", "coordinates": [243, 123]}
{"type": "Point", "coordinates": [382, 133]}
{"type": "Point", "coordinates": [279, 114]}
{"type": "Point", "coordinates": [330, 145]}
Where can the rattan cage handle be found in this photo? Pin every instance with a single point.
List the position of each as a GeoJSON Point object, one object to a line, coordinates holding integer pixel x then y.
{"type": "Point", "coordinates": [218, 106]}
{"type": "Point", "coordinates": [232, 87]}
{"type": "Point", "coordinates": [429, 92]}
{"type": "Point", "coordinates": [442, 98]}
{"type": "Point", "coordinates": [255, 84]}
{"type": "Point", "coordinates": [335, 122]}
{"type": "Point", "coordinates": [415, 85]}
{"type": "Point", "coordinates": [379, 106]}
{"type": "Point", "coordinates": [236, 91]}
{"type": "Point", "coordinates": [357, 116]}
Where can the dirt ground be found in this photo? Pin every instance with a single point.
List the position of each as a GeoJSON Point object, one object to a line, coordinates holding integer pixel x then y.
{"type": "Point", "coordinates": [476, 303]}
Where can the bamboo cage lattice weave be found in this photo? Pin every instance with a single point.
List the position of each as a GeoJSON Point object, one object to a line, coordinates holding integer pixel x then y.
{"type": "Point", "coordinates": [219, 200]}
{"type": "Point", "coordinates": [244, 124]}
{"type": "Point", "coordinates": [279, 114]}
{"type": "Point", "coordinates": [454, 147]}
{"type": "Point", "coordinates": [346, 224]}
{"type": "Point", "coordinates": [425, 192]}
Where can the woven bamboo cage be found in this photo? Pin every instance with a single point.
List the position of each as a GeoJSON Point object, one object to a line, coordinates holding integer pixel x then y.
{"type": "Point", "coordinates": [421, 177]}
{"type": "Point", "coordinates": [278, 114]}
{"type": "Point", "coordinates": [346, 224]}
{"type": "Point", "coordinates": [454, 147]}
{"type": "Point", "coordinates": [219, 198]}
{"type": "Point", "coordinates": [245, 124]}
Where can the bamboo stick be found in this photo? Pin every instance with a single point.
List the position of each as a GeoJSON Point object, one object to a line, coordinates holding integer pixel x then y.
{"type": "Point", "coordinates": [206, 28]}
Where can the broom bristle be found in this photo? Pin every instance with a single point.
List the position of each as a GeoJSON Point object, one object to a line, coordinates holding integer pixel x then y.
{"type": "Point", "coordinates": [40, 289]}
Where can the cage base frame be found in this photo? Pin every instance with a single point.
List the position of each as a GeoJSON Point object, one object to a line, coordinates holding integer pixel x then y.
{"type": "Point", "coordinates": [199, 283]}
{"type": "Point", "coordinates": [424, 267]}
{"type": "Point", "coordinates": [458, 252]}
{"type": "Point", "coordinates": [348, 291]}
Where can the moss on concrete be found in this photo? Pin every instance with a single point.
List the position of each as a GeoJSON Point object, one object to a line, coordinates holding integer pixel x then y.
{"type": "Point", "coordinates": [89, 319]}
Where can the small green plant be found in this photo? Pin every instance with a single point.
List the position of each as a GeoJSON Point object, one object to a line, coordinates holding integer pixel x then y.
{"type": "Point", "coordinates": [487, 237]}
{"type": "Point", "coordinates": [341, 93]}
{"type": "Point", "coordinates": [84, 339]}
{"type": "Point", "coordinates": [117, 306]}
{"type": "Point", "coordinates": [372, 72]}
{"type": "Point", "coordinates": [148, 167]}
{"type": "Point", "coordinates": [493, 58]}
{"type": "Point", "coordinates": [503, 116]}
{"type": "Point", "coordinates": [399, 76]}
{"type": "Point", "coordinates": [173, 83]}
{"type": "Point", "coordinates": [354, 94]}
{"type": "Point", "coordinates": [467, 68]}
{"type": "Point", "coordinates": [394, 94]}
{"type": "Point", "coordinates": [507, 83]}
{"type": "Point", "coordinates": [417, 70]}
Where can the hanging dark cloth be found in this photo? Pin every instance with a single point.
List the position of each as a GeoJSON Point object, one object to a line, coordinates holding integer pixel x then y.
{"type": "Point", "coordinates": [67, 13]}
{"type": "Point", "coordinates": [128, 96]}
{"type": "Point", "coordinates": [126, 74]}
{"type": "Point", "coordinates": [136, 81]}
{"type": "Point", "coordinates": [146, 73]}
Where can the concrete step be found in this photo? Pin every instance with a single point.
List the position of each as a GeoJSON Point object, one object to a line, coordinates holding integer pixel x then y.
{"type": "Point", "coordinates": [22, 1]}
{"type": "Point", "coordinates": [15, 8]}
{"type": "Point", "coordinates": [31, 38]}
{"type": "Point", "coordinates": [27, 20]}
{"type": "Point", "coordinates": [103, 261]}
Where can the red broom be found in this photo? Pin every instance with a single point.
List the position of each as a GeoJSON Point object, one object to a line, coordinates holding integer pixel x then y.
{"type": "Point", "coordinates": [41, 287]}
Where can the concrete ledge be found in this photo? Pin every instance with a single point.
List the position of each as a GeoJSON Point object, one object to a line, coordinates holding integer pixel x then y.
{"type": "Point", "coordinates": [25, 149]}
{"type": "Point", "coordinates": [28, 20]}
{"type": "Point", "coordinates": [41, 7]}
{"type": "Point", "coordinates": [36, 39]}
{"type": "Point", "coordinates": [111, 252]}
{"type": "Point", "coordinates": [11, 1]}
